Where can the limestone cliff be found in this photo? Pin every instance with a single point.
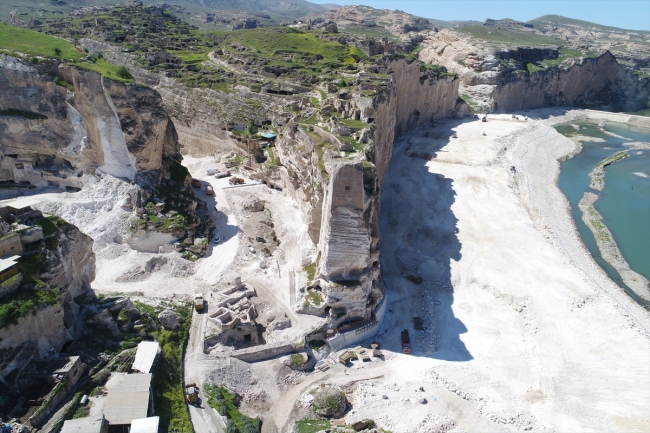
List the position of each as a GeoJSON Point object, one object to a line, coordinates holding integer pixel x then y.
{"type": "Point", "coordinates": [58, 123]}
{"type": "Point", "coordinates": [62, 266]}
{"type": "Point", "coordinates": [508, 78]}
{"type": "Point", "coordinates": [599, 82]}
{"type": "Point", "coordinates": [339, 188]}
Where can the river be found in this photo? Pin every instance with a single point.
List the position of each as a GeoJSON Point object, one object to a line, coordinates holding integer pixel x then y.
{"type": "Point", "coordinates": [624, 203]}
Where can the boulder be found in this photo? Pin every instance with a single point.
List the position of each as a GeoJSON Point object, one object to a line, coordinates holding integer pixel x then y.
{"type": "Point", "coordinates": [169, 319]}
{"type": "Point", "coordinates": [278, 323]}
{"type": "Point", "coordinates": [329, 401]}
{"type": "Point", "coordinates": [33, 234]}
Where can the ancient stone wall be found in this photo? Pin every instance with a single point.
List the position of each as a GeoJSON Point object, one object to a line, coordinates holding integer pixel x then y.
{"type": "Point", "coordinates": [265, 351]}
{"type": "Point", "coordinates": [11, 245]}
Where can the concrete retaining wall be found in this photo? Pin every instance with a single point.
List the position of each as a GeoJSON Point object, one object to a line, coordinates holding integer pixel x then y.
{"type": "Point", "coordinates": [265, 351]}
{"type": "Point", "coordinates": [355, 336]}
{"type": "Point", "coordinates": [11, 245]}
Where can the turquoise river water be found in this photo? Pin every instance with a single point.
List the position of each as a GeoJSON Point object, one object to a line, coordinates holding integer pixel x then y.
{"type": "Point", "coordinates": [624, 203]}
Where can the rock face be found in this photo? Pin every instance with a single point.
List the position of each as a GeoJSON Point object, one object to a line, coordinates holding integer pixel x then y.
{"type": "Point", "coordinates": [56, 132]}
{"type": "Point", "coordinates": [498, 78]}
{"type": "Point", "coordinates": [70, 267]}
{"type": "Point", "coordinates": [338, 191]}
{"type": "Point", "coordinates": [596, 82]}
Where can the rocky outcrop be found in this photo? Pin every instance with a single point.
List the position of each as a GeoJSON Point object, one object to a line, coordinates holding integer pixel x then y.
{"type": "Point", "coordinates": [599, 82]}
{"type": "Point", "coordinates": [338, 190]}
{"type": "Point", "coordinates": [57, 124]}
{"type": "Point", "coordinates": [504, 79]}
{"type": "Point", "coordinates": [68, 264]}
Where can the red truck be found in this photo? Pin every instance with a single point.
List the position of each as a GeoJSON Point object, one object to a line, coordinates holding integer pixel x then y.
{"type": "Point", "coordinates": [406, 342]}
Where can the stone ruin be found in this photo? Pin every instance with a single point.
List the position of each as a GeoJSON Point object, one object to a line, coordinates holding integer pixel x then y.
{"type": "Point", "coordinates": [234, 317]}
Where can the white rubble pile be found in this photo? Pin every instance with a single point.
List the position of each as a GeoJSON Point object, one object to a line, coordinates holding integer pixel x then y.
{"type": "Point", "coordinates": [525, 422]}
{"type": "Point", "coordinates": [95, 210]}
{"type": "Point", "coordinates": [437, 424]}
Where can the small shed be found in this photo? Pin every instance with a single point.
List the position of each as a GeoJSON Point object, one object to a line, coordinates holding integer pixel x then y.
{"type": "Point", "coordinates": [145, 356]}
{"type": "Point", "coordinates": [8, 267]}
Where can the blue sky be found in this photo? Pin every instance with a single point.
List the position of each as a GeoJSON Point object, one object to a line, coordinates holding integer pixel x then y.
{"type": "Point", "coordinates": [628, 14]}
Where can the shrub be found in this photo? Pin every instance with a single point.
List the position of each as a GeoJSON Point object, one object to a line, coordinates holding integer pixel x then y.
{"type": "Point", "coordinates": [123, 72]}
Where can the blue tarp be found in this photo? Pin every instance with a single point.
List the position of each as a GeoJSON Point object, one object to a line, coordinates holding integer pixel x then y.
{"type": "Point", "coordinates": [268, 135]}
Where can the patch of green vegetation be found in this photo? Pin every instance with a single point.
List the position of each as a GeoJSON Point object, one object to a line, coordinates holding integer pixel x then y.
{"type": "Point", "coordinates": [10, 281]}
{"type": "Point", "coordinates": [565, 54]}
{"type": "Point", "coordinates": [474, 107]}
{"type": "Point", "coordinates": [27, 41]}
{"type": "Point", "coordinates": [311, 120]}
{"type": "Point", "coordinates": [22, 302]}
{"type": "Point", "coordinates": [510, 37]}
{"type": "Point", "coordinates": [351, 123]}
{"type": "Point", "coordinates": [323, 95]}
{"type": "Point", "coordinates": [22, 114]}
{"type": "Point", "coordinates": [168, 390]}
{"type": "Point", "coordinates": [108, 70]}
{"type": "Point", "coordinates": [533, 68]}
{"type": "Point", "coordinates": [224, 402]}
{"type": "Point", "coordinates": [310, 269]}
{"type": "Point", "coordinates": [191, 57]}
{"type": "Point", "coordinates": [271, 153]}
{"type": "Point", "coordinates": [618, 156]}
{"type": "Point", "coordinates": [601, 230]}
{"type": "Point", "coordinates": [312, 425]}
{"type": "Point", "coordinates": [642, 75]}
{"type": "Point", "coordinates": [297, 359]}
{"type": "Point", "coordinates": [313, 297]}
{"type": "Point", "coordinates": [268, 42]}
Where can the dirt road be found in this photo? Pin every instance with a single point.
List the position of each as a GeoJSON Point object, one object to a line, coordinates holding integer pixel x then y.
{"type": "Point", "coordinates": [196, 365]}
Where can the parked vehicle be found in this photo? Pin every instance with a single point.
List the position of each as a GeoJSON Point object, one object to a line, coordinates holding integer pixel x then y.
{"type": "Point", "coordinates": [216, 240]}
{"type": "Point", "coordinates": [199, 302]}
{"type": "Point", "coordinates": [191, 393]}
{"type": "Point", "coordinates": [210, 171]}
{"type": "Point", "coordinates": [209, 190]}
{"type": "Point", "coordinates": [221, 174]}
{"type": "Point", "coordinates": [406, 342]}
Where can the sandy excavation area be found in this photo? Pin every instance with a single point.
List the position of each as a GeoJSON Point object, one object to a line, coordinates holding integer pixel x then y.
{"type": "Point", "coordinates": [521, 333]}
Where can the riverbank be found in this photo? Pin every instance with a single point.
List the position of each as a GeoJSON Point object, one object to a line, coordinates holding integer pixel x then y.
{"type": "Point", "coordinates": [609, 249]}
{"type": "Point", "coordinates": [539, 150]}
{"type": "Point", "coordinates": [519, 333]}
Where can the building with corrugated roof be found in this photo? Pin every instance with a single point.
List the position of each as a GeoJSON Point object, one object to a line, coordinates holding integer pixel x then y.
{"type": "Point", "coordinates": [128, 398]}
{"type": "Point", "coordinates": [85, 425]}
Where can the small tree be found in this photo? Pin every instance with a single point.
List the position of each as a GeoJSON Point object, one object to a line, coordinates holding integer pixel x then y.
{"type": "Point", "coordinates": [57, 52]}
{"type": "Point", "coordinates": [231, 427]}
{"type": "Point", "coordinates": [123, 72]}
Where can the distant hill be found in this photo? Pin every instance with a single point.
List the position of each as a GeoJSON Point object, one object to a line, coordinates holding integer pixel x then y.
{"type": "Point", "coordinates": [276, 10]}
{"type": "Point", "coordinates": [558, 20]}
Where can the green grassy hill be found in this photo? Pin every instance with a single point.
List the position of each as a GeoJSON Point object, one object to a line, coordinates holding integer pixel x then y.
{"type": "Point", "coordinates": [15, 40]}
{"type": "Point", "coordinates": [267, 42]}
{"type": "Point", "coordinates": [559, 20]}
{"type": "Point", "coordinates": [510, 37]}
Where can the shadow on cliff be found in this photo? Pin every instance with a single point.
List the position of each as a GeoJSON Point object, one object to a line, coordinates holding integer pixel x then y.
{"type": "Point", "coordinates": [418, 245]}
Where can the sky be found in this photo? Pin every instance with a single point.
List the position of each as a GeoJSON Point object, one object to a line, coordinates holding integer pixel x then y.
{"type": "Point", "coordinates": [627, 14]}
